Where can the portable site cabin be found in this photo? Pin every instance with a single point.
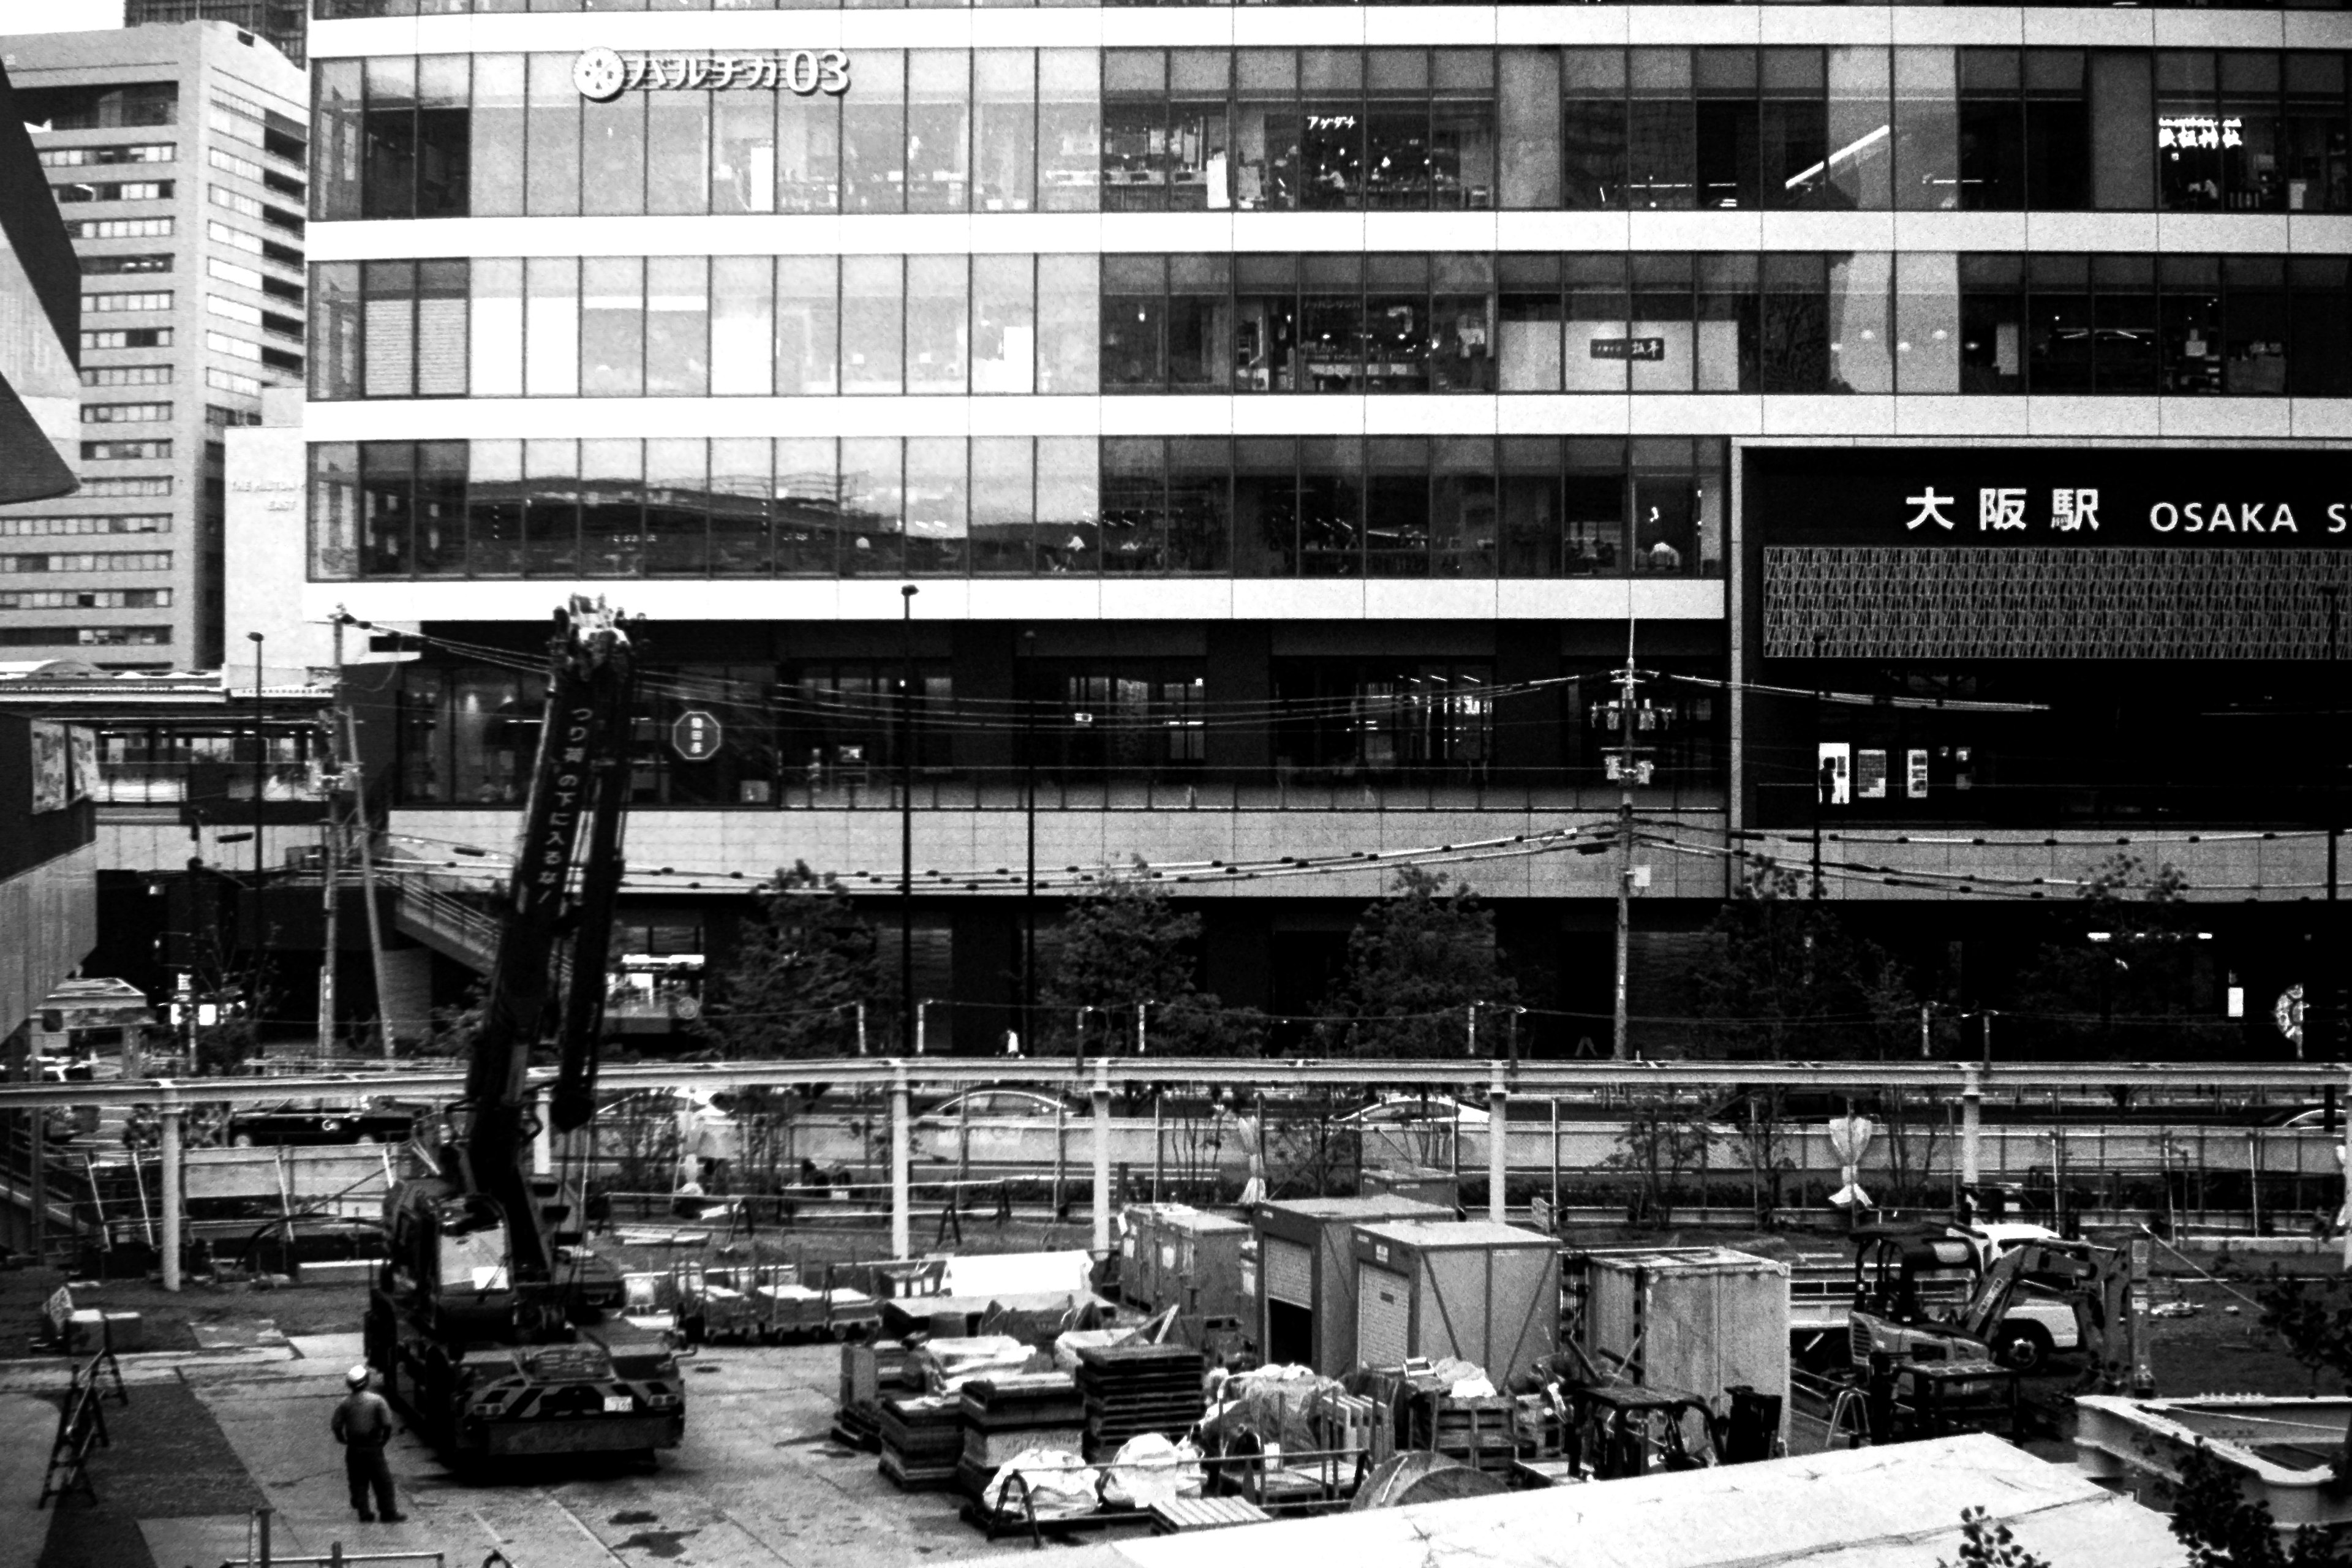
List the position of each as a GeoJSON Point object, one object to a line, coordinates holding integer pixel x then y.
{"type": "Point", "coordinates": [1443, 1188]}
{"type": "Point", "coordinates": [1306, 1308]}
{"type": "Point", "coordinates": [1695, 1319]}
{"type": "Point", "coordinates": [1177, 1256]}
{"type": "Point", "coordinates": [1487, 1293]}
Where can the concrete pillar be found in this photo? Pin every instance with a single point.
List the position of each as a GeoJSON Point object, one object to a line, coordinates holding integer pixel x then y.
{"type": "Point", "coordinates": [169, 1155]}
{"type": "Point", "coordinates": [1971, 1125]}
{"type": "Point", "coordinates": [1498, 1100]}
{"type": "Point", "coordinates": [901, 1161]}
{"type": "Point", "coordinates": [543, 1142]}
{"type": "Point", "coordinates": [1102, 1158]}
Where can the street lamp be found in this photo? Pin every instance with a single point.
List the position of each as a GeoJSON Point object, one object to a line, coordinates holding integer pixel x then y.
{"type": "Point", "coordinates": [260, 747]}
{"type": "Point", "coordinates": [907, 820]}
{"type": "Point", "coordinates": [1029, 882]}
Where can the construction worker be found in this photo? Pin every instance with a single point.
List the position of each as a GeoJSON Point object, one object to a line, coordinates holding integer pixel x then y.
{"type": "Point", "coordinates": [363, 1425]}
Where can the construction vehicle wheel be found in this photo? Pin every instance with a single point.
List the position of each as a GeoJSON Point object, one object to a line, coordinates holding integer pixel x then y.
{"type": "Point", "coordinates": [2023, 1349]}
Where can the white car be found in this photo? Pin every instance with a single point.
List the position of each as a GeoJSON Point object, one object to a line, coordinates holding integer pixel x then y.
{"type": "Point", "coordinates": [1401, 1111]}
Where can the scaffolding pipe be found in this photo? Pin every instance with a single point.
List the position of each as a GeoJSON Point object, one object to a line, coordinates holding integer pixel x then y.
{"type": "Point", "coordinates": [1102, 1160]}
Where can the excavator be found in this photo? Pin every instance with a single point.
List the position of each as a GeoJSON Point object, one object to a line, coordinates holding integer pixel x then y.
{"type": "Point", "coordinates": [490, 1322]}
{"type": "Point", "coordinates": [1893, 1330]}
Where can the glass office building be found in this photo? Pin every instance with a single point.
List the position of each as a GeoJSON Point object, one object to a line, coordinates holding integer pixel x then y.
{"type": "Point", "coordinates": [1282, 412]}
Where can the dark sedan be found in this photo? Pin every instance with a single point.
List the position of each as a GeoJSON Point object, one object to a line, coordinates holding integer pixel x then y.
{"type": "Point", "coordinates": [295, 1122]}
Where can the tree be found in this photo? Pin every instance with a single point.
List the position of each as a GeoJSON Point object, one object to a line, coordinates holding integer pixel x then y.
{"type": "Point", "coordinates": [792, 986]}
{"type": "Point", "coordinates": [1662, 1137]}
{"type": "Point", "coordinates": [1123, 943]}
{"type": "Point", "coordinates": [1416, 960]}
{"type": "Point", "coordinates": [2121, 974]}
{"type": "Point", "coordinates": [1987, 1544]}
{"type": "Point", "coordinates": [2223, 1528]}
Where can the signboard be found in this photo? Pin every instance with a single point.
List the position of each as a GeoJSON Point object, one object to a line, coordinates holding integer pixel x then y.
{"type": "Point", "coordinates": [695, 735]}
{"type": "Point", "coordinates": [2182, 131]}
{"type": "Point", "coordinates": [603, 75]}
{"type": "Point", "coordinates": [2049, 552]}
{"type": "Point", "coordinates": [1629, 348]}
{"type": "Point", "coordinates": [1870, 776]}
{"type": "Point", "coordinates": [1914, 773]}
{"type": "Point", "coordinates": [52, 767]}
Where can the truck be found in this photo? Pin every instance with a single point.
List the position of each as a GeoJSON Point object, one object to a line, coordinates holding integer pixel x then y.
{"type": "Point", "coordinates": [490, 1320]}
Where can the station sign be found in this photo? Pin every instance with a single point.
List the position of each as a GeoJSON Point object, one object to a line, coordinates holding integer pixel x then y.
{"type": "Point", "coordinates": [602, 75]}
{"type": "Point", "coordinates": [695, 735]}
{"type": "Point", "coordinates": [1648, 349]}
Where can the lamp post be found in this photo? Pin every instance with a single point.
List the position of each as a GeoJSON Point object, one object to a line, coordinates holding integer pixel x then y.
{"type": "Point", "coordinates": [1029, 796]}
{"type": "Point", "coordinates": [907, 819]}
{"type": "Point", "coordinates": [260, 772]}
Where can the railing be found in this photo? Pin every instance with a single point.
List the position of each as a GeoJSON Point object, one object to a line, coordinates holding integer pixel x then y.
{"type": "Point", "coordinates": [876, 787]}
{"type": "Point", "coordinates": [2037, 807]}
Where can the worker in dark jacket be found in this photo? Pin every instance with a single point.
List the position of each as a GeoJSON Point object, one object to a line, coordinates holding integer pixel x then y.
{"type": "Point", "coordinates": [363, 1425]}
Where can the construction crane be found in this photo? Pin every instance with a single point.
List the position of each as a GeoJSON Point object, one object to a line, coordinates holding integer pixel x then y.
{"type": "Point", "coordinates": [490, 1321]}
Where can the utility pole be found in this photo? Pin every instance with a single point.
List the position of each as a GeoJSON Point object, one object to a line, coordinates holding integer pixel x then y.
{"type": "Point", "coordinates": [355, 771]}
{"type": "Point", "coordinates": [1029, 798]}
{"type": "Point", "coordinates": [260, 787]}
{"type": "Point", "coordinates": [906, 1026]}
{"type": "Point", "coordinates": [1627, 771]}
{"type": "Point", "coordinates": [331, 859]}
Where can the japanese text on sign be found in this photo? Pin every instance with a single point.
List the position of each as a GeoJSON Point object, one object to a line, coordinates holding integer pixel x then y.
{"type": "Point", "coordinates": [2001, 509]}
{"type": "Point", "coordinates": [603, 75]}
{"type": "Point", "coordinates": [2197, 131]}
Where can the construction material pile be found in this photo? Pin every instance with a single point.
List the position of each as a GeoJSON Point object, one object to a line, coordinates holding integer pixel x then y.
{"type": "Point", "coordinates": [1006, 1415]}
{"type": "Point", "coordinates": [922, 1439]}
{"type": "Point", "coordinates": [1132, 1389]}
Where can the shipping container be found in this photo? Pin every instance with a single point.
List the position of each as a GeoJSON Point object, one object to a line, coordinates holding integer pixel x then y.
{"type": "Point", "coordinates": [1692, 1320]}
{"type": "Point", "coordinates": [1178, 1256]}
{"type": "Point", "coordinates": [1305, 1312]}
{"type": "Point", "coordinates": [1485, 1293]}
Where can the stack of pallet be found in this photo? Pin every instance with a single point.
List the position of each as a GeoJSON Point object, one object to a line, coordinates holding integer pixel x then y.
{"type": "Point", "coordinates": [1004, 1416]}
{"type": "Point", "coordinates": [922, 1438]}
{"type": "Point", "coordinates": [867, 1373]}
{"type": "Point", "coordinates": [1480, 1430]}
{"type": "Point", "coordinates": [1132, 1389]}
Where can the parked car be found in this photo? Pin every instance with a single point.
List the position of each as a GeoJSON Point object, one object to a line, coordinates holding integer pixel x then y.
{"type": "Point", "coordinates": [1002, 1124]}
{"type": "Point", "coordinates": [313, 1122]}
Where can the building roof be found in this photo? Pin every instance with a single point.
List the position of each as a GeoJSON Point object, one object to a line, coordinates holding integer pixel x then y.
{"type": "Point", "coordinates": [1893, 1506]}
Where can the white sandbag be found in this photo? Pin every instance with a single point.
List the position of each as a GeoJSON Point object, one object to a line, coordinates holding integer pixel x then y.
{"type": "Point", "coordinates": [1149, 1469]}
{"type": "Point", "coordinates": [1061, 1484]}
{"type": "Point", "coordinates": [1067, 1346]}
{"type": "Point", "coordinates": [1018, 1274]}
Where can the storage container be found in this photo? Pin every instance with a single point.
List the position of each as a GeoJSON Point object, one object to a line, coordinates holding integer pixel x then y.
{"type": "Point", "coordinates": [1178, 1256]}
{"type": "Point", "coordinates": [1305, 1296]}
{"type": "Point", "coordinates": [1485, 1293]}
{"type": "Point", "coordinates": [1692, 1320]}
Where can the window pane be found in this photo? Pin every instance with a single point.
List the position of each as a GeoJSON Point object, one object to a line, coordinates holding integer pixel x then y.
{"type": "Point", "coordinates": [1992, 323]}
{"type": "Point", "coordinates": [391, 155]}
{"type": "Point", "coordinates": [334, 510]}
{"type": "Point", "coordinates": [2122, 151]}
{"type": "Point", "coordinates": [1003, 504]}
{"type": "Point", "coordinates": [938, 314]}
{"type": "Point", "coordinates": [494, 507]}
{"type": "Point", "coordinates": [390, 291]}
{"type": "Point", "coordinates": [1992, 130]}
{"type": "Point", "coordinates": [1461, 516]}
{"type": "Point", "coordinates": [611, 326]}
{"type": "Point", "coordinates": [613, 153]}
{"type": "Point", "coordinates": [335, 331]}
{"type": "Point", "coordinates": [872, 325]}
{"type": "Point", "coordinates": [740, 489]}
{"type": "Point", "coordinates": [497, 135]}
{"type": "Point", "coordinates": [873, 134]}
{"type": "Point", "coordinates": [2124, 323]}
{"type": "Point", "coordinates": [872, 507]}
{"type": "Point", "coordinates": [808, 330]}
{"type": "Point", "coordinates": [1530, 119]}
{"type": "Point", "coordinates": [495, 324]}
{"type": "Point", "coordinates": [1926, 130]}
{"type": "Point", "coordinates": [677, 152]}
{"type": "Point", "coordinates": [2190, 307]}
{"type": "Point", "coordinates": [938, 130]}
{"type": "Point", "coordinates": [387, 503]}
{"type": "Point", "coordinates": [1594, 358]}
{"type": "Point", "coordinates": [1331, 506]}
{"type": "Point", "coordinates": [2058, 349]}
{"type": "Point", "coordinates": [1134, 505]}
{"type": "Point", "coordinates": [1530, 502]}
{"type": "Point", "coordinates": [1860, 137]}
{"type": "Point", "coordinates": [1004, 323]}
{"type": "Point", "coordinates": [441, 329]}
{"type": "Point", "coordinates": [1067, 504]}
{"type": "Point", "coordinates": [553, 153]}
{"type": "Point", "coordinates": [1070, 131]}
{"type": "Point", "coordinates": [743, 326]}
{"type": "Point", "coordinates": [1004, 149]}
{"type": "Point", "coordinates": [1861, 357]}
{"type": "Point", "coordinates": [808, 507]}
{"type": "Point", "coordinates": [677, 327]}
{"type": "Point", "coordinates": [1660, 130]}
{"type": "Point", "coordinates": [1067, 327]}
{"type": "Point", "coordinates": [551, 525]}
{"type": "Point", "coordinates": [444, 136]}
{"type": "Point", "coordinates": [938, 522]}
{"type": "Point", "coordinates": [1793, 326]}
{"type": "Point", "coordinates": [677, 502]}
{"type": "Point", "coordinates": [440, 533]}
{"type": "Point", "coordinates": [1200, 504]}
{"type": "Point", "coordinates": [1593, 147]}
{"type": "Point", "coordinates": [1927, 323]}
{"type": "Point", "coordinates": [743, 152]}
{"type": "Point", "coordinates": [612, 508]}
{"type": "Point", "coordinates": [1729, 157]}
{"type": "Point", "coordinates": [338, 139]}
{"type": "Point", "coordinates": [1727, 317]}
{"type": "Point", "coordinates": [1663, 350]}
{"type": "Point", "coordinates": [808, 150]}
{"type": "Point", "coordinates": [2057, 130]}
{"type": "Point", "coordinates": [1265, 507]}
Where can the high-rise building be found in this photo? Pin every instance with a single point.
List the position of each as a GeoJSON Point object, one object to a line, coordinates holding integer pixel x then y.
{"type": "Point", "coordinates": [1285, 420]}
{"type": "Point", "coordinates": [281, 22]}
{"type": "Point", "coordinates": [179, 157]}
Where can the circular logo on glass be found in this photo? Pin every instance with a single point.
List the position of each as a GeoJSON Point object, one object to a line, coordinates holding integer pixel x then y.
{"type": "Point", "coordinates": [599, 75]}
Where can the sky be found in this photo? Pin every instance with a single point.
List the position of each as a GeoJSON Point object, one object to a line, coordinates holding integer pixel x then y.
{"type": "Point", "coordinates": [59, 15]}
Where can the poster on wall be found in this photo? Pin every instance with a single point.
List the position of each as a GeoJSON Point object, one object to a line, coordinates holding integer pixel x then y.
{"type": "Point", "coordinates": [1870, 776]}
{"type": "Point", "coordinates": [1914, 768]}
{"type": "Point", "coordinates": [1836, 773]}
{"type": "Point", "coordinates": [52, 767]}
{"type": "Point", "coordinates": [82, 745]}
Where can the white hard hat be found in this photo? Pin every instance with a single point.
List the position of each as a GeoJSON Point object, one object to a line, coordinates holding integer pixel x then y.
{"type": "Point", "coordinates": [358, 1376]}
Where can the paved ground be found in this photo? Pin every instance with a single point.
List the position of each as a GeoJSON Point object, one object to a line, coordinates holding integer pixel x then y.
{"type": "Point", "coordinates": [205, 1439]}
